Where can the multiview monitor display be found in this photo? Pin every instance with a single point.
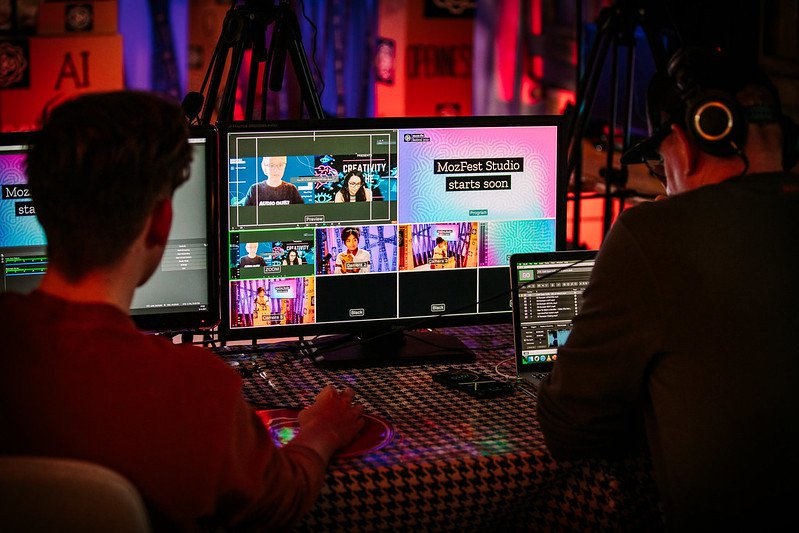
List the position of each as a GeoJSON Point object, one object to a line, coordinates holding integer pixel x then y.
{"type": "Point", "coordinates": [339, 225]}
{"type": "Point", "coordinates": [182, 293]}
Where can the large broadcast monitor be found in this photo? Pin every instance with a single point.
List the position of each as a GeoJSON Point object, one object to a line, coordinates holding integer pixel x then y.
{"type": "Point", "coordinates": [183, 292]}
{"type": "Point", "coordinates": [354, 226]}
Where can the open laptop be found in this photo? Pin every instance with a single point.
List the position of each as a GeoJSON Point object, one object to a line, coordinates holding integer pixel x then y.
{"type": "Point", "coordinates": [547, 293]}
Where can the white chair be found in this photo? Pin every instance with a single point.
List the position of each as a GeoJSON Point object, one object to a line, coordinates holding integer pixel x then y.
{"type": "Point", "coordinates": [52, 494]}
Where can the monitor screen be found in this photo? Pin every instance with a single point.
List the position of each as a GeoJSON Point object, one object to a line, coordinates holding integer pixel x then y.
{"type": "Point", "coordinates": [548, 295]}
{"type": "Point", "coordinates": [342, 225]}
{"type": "Point", "coordinates": [181, 294]}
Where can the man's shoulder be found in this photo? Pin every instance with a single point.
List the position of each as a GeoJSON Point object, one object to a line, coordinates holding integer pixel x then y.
{"type": "Point", "coordinates": [27, 308]}
{"type": "Point", "coordinates": [12, 299]}
{"type": "Point", "coordinates": [34, 321]}
{"type": "Point", "coordinates": [193, 362]}
{"type": "Point", "coordinates": [689, 203]}
{"type": "Point", "coordinates": [13, 306]}
{"type": "Point", "coordinates": [187, 357]}
{"type": "Point", "coordinates": [19, 298]}
{"type": "Point", "coordinates": [153, 360]}
{"type": "Point", "coordinates": [722, 197]}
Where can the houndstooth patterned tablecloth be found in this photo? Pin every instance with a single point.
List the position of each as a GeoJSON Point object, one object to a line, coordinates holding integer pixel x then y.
{"type": "Point", "coordinates": [457, 463]}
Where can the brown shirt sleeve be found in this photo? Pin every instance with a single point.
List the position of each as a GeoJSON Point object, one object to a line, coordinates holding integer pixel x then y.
{"type": "Point", "coordinates": [591, 403]}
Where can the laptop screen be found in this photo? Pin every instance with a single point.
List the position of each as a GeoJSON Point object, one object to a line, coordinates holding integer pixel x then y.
{"type": "Point", "coordinates": [548, 289]}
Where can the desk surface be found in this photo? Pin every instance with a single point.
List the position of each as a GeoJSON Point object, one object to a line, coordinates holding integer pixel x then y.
{"type": "Point", "coordinates": [457, 462]}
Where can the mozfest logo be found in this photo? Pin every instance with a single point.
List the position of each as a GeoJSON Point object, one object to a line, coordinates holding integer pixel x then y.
{"type": "Point", "coordinates": [14, 62]}
{"type": "Point", "coordinates": [415, 138]}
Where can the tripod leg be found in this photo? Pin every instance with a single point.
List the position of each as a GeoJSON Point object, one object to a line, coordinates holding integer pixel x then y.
{"type": "Point", "coordinates": [229, 95]}
{"type": "Point", "coordinates": [610, 172]}
{"type": "Point", "coordinates": [302, 69]}
{"type": "Point", "coordinates": [265, 82]}
{"type": "Point", "coordinates": [628, 118]}
{"type": "Point", "coordinates": [232, 30]}
{"type": "Point", "coordinates": [277, 51]}
{"type": "Point", "coordinates": [577, 124]}
{"type": "Point", "coordinates": [586, 93]}
{"type": "Point", "coordinates": [217, 71]}
{"type": "Point", "coordinates": [598, 50]}
{"type": "Point", "coordinates": [252, 85]}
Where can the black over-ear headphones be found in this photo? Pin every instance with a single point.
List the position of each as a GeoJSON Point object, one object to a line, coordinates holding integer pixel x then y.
{"type": "Point", "coordinates": [713, 118]}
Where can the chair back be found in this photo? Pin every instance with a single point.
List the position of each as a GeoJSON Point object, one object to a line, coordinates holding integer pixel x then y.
{"type": "Point", "coordinates": [52, 494]}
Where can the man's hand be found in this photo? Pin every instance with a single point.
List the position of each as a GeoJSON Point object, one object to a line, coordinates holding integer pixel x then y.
{"type": "Point", "coordinates": [331, 422]}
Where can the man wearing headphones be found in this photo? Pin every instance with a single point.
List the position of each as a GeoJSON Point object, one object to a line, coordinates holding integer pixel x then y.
{"type": "Point", "coordinates": [685, 343]}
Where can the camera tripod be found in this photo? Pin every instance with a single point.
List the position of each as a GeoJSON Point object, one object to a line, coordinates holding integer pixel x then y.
{"type": "Point", "coordinates": [616, 26]}
{"type": "Point", "coordinates": [245, 28]}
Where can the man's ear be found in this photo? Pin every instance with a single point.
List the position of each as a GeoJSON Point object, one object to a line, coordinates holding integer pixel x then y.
{"type": "Point", "coordinates": [684, 151]}
{"type": "Point", "coordinates": [160, 223]}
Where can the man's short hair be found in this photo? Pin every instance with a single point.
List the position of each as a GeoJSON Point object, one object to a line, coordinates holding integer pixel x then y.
{"type": "Point", "coordinates": [97, 168]}
{"type": "Point", "coordinates": [439, 239]}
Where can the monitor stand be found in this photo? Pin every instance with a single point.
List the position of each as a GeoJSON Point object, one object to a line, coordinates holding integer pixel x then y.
{"type": "Point", "coordinates": [397, 348]}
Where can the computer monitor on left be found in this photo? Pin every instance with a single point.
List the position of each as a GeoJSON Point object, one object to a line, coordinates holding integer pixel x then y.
{"type": "Point", "coordinates": [183, 292]}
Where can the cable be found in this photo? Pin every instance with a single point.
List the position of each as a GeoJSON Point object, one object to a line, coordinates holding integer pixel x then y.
{"type": "Point", "coordinates": [743, 157]}
{"type": "Point", "coordinates": [506, 376]}
{"type": "Point", "coordinates": [261, 372]}
{"type": "Point", "coordinates": [313, 47]}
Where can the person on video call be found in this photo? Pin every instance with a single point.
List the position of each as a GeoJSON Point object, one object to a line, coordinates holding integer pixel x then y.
{"type": "Point", "coordinates": [354, 188]}
{"type": "Point", "coordinates": [252, 259]}
{"type": "Point", "coordinates": [441, 258]}
{"type": "Point", "coordinates": [353, 259]}
{"type": "Point", "coordinates": [273, 190]}
{"type": "Point", "coordinates": [686, 339]}
{"type": "Point", "coordinates": [261, 308]}
{"type": "Point", "coordinates": [292, 258]}
{"type": "Point", "coordinates": [88, 385]}
{"type": "Point", "coordinates": [553, 335]}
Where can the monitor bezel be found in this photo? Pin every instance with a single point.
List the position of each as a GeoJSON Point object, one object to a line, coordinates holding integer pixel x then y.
{"type": "Point", "coordinates": [208, 318]}
{"type": "Point", "coordinates": [158, 321]}
{"type": "Point", "coordinates": [226, 332]}
{"type": "Point", "coordinates": [17, 139]}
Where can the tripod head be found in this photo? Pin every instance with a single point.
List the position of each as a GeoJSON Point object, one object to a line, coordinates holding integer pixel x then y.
{"type": "Point", "coordinates": [244, 28]}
